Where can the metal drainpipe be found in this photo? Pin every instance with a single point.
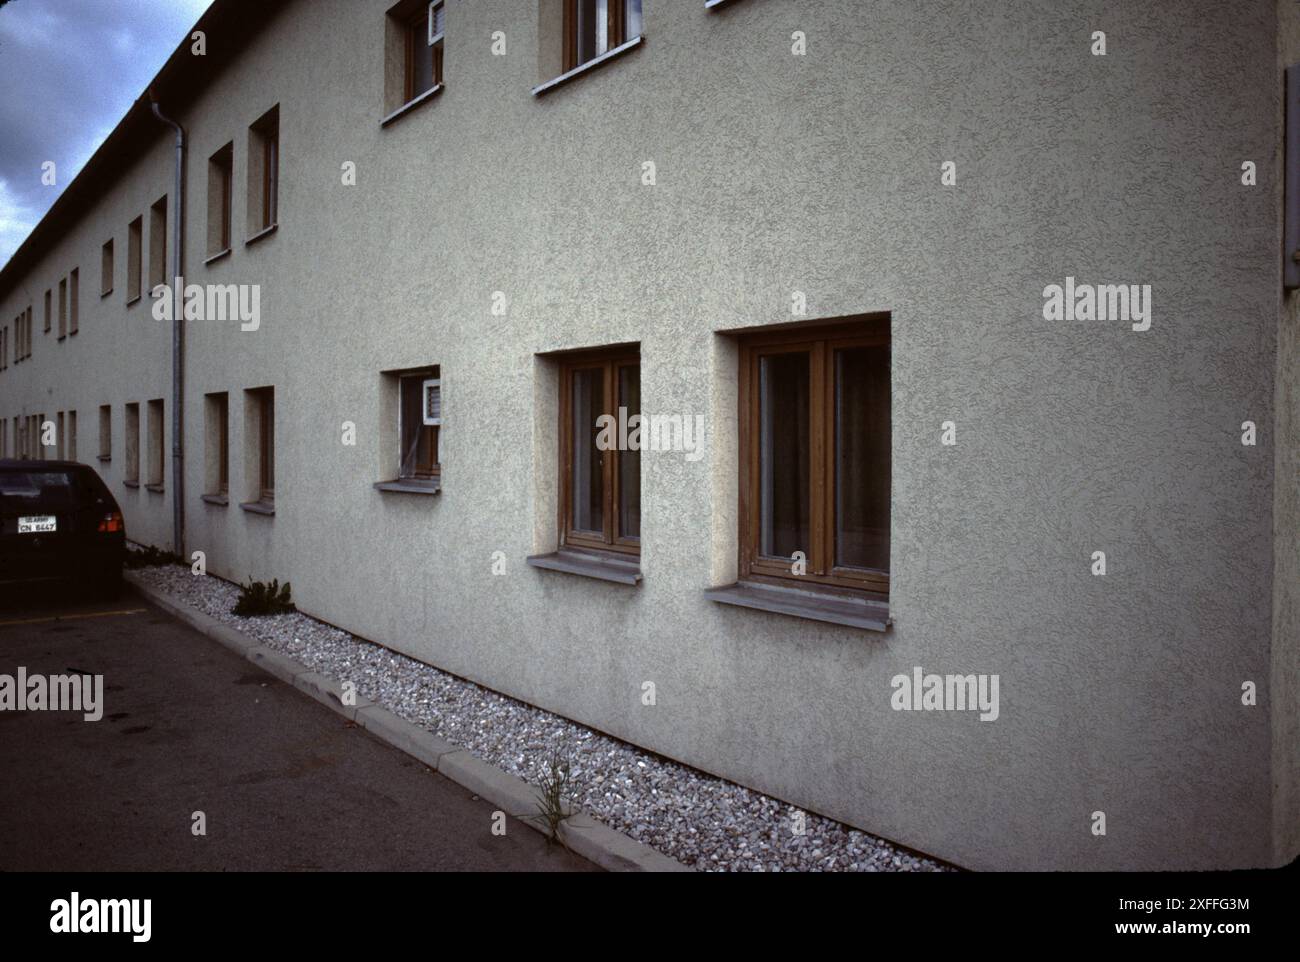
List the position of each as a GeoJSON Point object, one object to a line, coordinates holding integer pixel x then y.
{"type": "Point", "coordinates": [178, 205]}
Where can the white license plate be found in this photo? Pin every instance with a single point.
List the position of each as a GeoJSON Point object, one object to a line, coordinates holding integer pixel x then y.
{"type": "Point", "coordinates": [38, 524]}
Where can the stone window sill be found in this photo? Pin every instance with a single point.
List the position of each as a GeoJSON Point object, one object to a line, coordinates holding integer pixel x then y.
{"type": "Point", "coordinates": [410, 105]}
{"type": "Point", "coordinates": [589, 66]}
{"type": "Point", "coordinates": [220, 500]}
{"type": "Point", "coordinates": [217, 256]}
{"type": "Point", "coordinates": [603, 565]}
{"type": "Point", "coordinates": [259, 507]}
{"type": "Point", "coordinates": [409, 486]}
{"type": "Point", "coordinates": [869, 614]}
{"type": "Point", "coordinates": [261, 234]}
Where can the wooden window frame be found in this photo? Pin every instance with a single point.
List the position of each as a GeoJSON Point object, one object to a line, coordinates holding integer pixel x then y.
{"type": "Point", "coordinates": [432, 470]}
{"type": "Point", "coordinates": [611, 538]}
{"type": "Point", "coordinates": [266, 444]}
{"type": "Point", "coordinates": [820, 344]}
{"type": "Point", "coordinates": [271, 174]}
{"type": "Point", "coordinates": [616, 36]}
{"type": "Point", "coordinates": [226, 170]}
{"type": "Point", "coordinates": [418, 23]}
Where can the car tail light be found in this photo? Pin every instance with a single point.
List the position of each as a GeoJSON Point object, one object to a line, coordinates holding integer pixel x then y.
{"type": "Point", "coordinates": [111, 523]}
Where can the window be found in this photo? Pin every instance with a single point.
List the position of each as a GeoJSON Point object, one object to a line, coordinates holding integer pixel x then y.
{"type": "Point", "coordinates": [40, 435]}
{"type": "Point", "coordinates": [154, 479]}
{"type": "Point", "coordinates": [419, 418]}
{"type": "Point", "coordinates": [133, 444]}
{"type": "Point", "coordinates": [264, 172]}
{"type": "Point", "coordinates": [63, 308]}
{"type": "Point", "coordinates": [158, 244]}
{"type": "Point", "coordinates": [134, 235]}
{"type": "Point", "coordinates": [48, 298]}
{"type": "Point", "coordinates": [58, 436]}
{"type": "Point", "coordinates": [600, 484]}
{"type": "Point", "coordinates": [413, 45]}
{"type": "Point", "coordinates": [106, 269]}
{"type": "Point", "coordinates": [424, 33]}
{"type": "Point", "coordinates": [220, 190]}
{"type": "Point", "coordinates": [74, 299]}
{"type": "Point", "coordinates": [259, 440]}
{"type": "Point", "coordinates": [815, 456]}
{"type": "Point", "coordinates": [595, 27]}
{"type": "Point", "coordinates": [105, 432]}
{"type": "Point", "coordinates": [72, 436]}
{"type": "Point", "coordinates": [217, 449]}
{"type": "Point", "coordinates": [27, 335]}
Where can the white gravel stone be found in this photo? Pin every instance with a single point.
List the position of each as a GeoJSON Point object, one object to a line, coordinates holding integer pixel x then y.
{"type": "Point", "coordinates": [702, 821]}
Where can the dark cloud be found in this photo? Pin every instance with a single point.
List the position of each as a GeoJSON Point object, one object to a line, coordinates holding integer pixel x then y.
{"type": "Point", "coordinates": [69, 69]}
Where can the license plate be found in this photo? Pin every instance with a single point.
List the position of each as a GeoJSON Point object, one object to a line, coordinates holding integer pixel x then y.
{"type": "Point", "coordinates": [38, 524]}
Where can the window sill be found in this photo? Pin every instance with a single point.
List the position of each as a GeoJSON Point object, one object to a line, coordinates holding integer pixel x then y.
{"type": "Point", "coordinates": [104, 294]}
{"type": "Point", "coordinates": [63, 337]}
{"type": "Point", "coordinates": [868, 614]}
{"type": "Point", "coordinates": [409, 487]}
{"type": "Point", "coordinates": [589, 66]}
{"type": "Point", "coordinates": [155, 488]}
{"type": "Point", "coordinates": [259, 507]}
{"type": "Point", "coordinates": [606, 566]}
{"type": "Point", "coordinates": [129, 302]}
{"type": "Point", "coordinates": [104, 458]}
{"type": "Point", "coordinates": [132, 484]}
{"type": "Point", "coordinates": [264, 232]}
{"type": "Point", "coordinates": [217, 256]}
{"type": "Point", "coordinates": [410, 105]}
{"type": "Point", "coordinates": [714, 4]}
{"type": "Point", "coordinates": [218, 499]}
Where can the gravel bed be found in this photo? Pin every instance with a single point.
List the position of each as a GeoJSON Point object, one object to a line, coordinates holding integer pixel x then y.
{"type": "Point", "coordinates": [698, 819]}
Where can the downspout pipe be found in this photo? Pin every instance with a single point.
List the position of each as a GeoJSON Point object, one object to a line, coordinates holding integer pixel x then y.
{"type": "Point", "coordinates": [178, 372]}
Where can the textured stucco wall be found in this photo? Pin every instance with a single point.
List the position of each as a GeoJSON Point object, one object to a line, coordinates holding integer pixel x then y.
{"type": "Point", "coordinates": [779, 173]}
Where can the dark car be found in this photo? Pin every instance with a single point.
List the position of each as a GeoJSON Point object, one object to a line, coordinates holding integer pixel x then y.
{"type": "Point", "coordinates": [59, 522]}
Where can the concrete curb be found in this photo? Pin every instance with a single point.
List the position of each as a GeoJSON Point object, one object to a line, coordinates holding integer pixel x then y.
{"type": "Point", "coordinates": [587, 837]}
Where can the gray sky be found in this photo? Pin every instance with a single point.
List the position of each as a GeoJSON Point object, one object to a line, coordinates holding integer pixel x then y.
{"type": "Point", "coordinates": [69, 70]}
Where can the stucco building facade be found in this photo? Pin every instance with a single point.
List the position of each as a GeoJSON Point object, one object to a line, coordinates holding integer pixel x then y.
{"type": "Point", "coordinates": [906, 178]}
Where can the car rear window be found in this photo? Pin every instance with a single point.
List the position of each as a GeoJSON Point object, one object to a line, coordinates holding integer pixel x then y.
{"type": "Point", "coordinates": [54, 489]}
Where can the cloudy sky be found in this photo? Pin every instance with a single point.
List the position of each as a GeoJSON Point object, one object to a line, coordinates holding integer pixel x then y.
{"type": "Point", "coordinates": [69, 69]}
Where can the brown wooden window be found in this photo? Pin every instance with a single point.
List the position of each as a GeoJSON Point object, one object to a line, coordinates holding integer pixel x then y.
{"type": "Point", "coordinates": [106, 268]}
{"type": "Point", "coordinates": [105, 432]}
{"type": "Point", "coordinates": [132, 420]}
{"type": "Point", "coordinates": [266, 443]}
{"type": "Point", "coordinates": [157, 448]}
{"type": "Point", "coordinates": [217, 449]}
{"type": "Point", "coordinates": [419, 419]}
{"type": "Point", "coordinates": [134, 261]}
{"type": "Point", "coordinates": [815, 456]}
{"type": "Point", "coordinates": [600, 483]}
{"type": "Point", "coordinates": [271, 177]}
{"type": "Point", "coordinates": [48, 310]}
{"type": "Point", "coordinates": [264, 173]}
{"type": "Point", "coordinates": [424, 36]}
{"type": "Point", "coordinates": [595, 27]}
{"type": "Point", "coordinates": [63, 308]}
{"type": "Point", "coordinates": [158, 244]}
{"type": "Point", "coordinates": [220, 199]}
